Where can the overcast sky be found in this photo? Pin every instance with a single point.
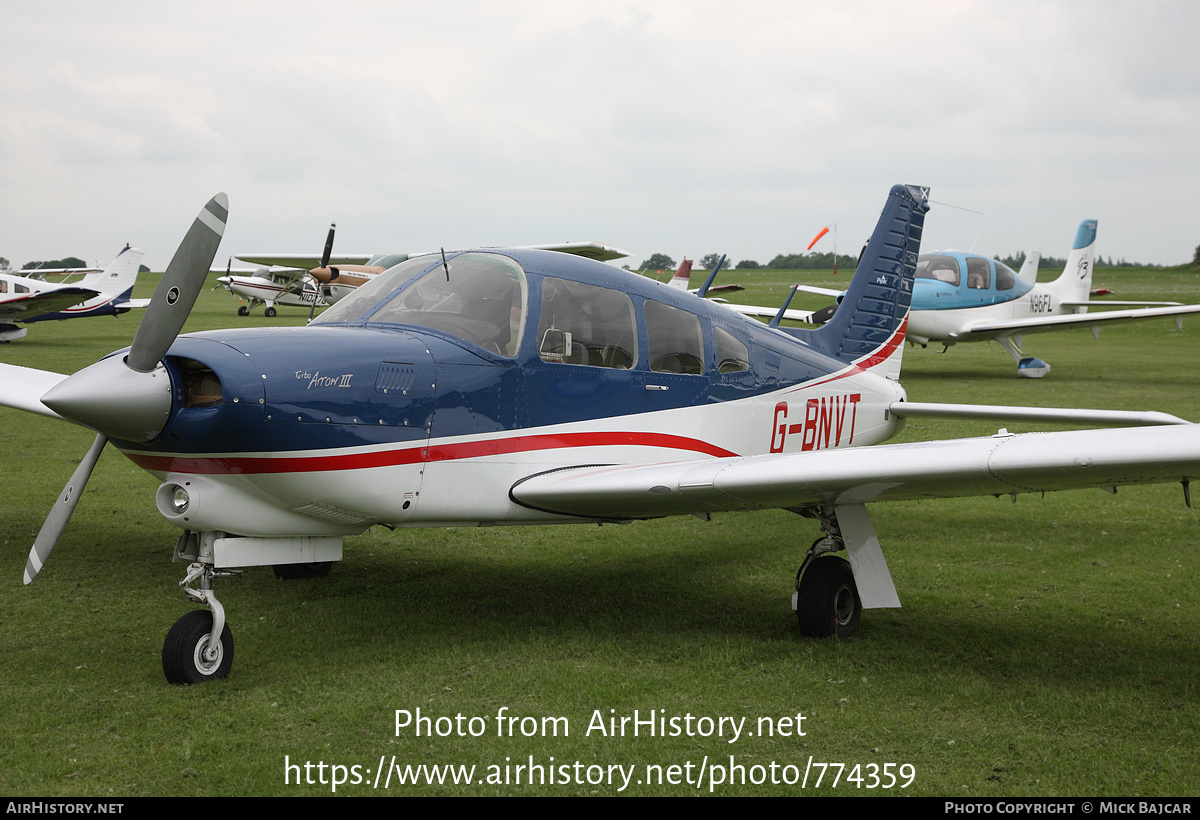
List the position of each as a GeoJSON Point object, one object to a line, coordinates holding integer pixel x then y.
{"type": "Point", "coordinates": [675, 127]}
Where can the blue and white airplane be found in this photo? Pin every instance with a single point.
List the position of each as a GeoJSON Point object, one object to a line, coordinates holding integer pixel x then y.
{"type": "Point", "coordinates": [965, 297]}
{"type": "Point", "coordinates": [104, 293]}
{"type": "Point", "coordinates": [506, 386]}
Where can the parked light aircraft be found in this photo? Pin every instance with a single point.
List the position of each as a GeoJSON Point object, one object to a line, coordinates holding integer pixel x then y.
{"type": "Point", "coordinates": [965, 297]}
{"type": "Point", "coordinates": [104, 293]}
{"type": "Point", "coordinates": [502, 386]}
{"type": "Point", "coordinates": [310, 281]}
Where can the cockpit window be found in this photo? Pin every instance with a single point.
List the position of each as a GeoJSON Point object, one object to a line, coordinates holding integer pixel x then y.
{"type": "Point", "coordinates": [477, 297]}
{"type": "Point", "coordinates": [586, 324]}
{"type": "Point", "coordinates": [939, 267]}
{"type": "Point", "coordinates": [364, 299]}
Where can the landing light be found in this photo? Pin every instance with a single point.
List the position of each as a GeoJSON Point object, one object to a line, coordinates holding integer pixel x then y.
{"type": "Point", "coordinates": [179, 500]}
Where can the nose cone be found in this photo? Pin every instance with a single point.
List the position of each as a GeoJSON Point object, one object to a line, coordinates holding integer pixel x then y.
{"type": "Point", "coordinates": [114, 399]}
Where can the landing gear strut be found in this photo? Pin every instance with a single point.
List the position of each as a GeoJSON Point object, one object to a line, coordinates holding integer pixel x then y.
{"type": "Point", "coordinates": [199, 647]}
{"type": "Point", "coordinates": [827, 600]}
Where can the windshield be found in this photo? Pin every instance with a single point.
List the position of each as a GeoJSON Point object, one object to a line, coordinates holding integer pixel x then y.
{"type": "Point", "coordinates": [481, 299]}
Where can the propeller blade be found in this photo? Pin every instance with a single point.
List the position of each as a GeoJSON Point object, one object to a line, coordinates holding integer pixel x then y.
{"type": "Point", "coordinates": [179, 287]}
{"type": "Point", "coordinates": [328, 245]}
{"type": "Point", "coordinates": [60, 513]}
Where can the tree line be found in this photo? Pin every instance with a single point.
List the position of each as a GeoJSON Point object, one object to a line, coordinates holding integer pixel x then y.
{"type": "Point", "coordinates": [825, 261]}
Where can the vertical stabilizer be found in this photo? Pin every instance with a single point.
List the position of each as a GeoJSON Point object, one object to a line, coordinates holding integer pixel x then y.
{"type": "Point", "coordinates": [868, 327]}
{"type": "Point", "coordinates": [1029, 270]}
{"type": "Point", "coordinates": [1075, 283]}
{"type": "Point", "coordinates": [683, 275]}
{"type": "Point", "coordinates": [119, 276]}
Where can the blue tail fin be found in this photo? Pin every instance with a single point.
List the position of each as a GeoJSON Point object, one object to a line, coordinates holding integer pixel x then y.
{"type": "Point", "coordinates": [876, 303]}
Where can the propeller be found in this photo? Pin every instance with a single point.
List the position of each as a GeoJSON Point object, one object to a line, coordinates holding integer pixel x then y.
{"type": "Point", "coordinates": [328, 246]}
{"type": "Point", "coordinates": [130, 397]}
{"type": "Point", "coordinates": [60, 513]}
{"type": "Point", "coordinates": [333, 273]}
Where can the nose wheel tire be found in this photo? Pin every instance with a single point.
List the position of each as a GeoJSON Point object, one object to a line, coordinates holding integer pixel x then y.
{"type": "Point", "coordinates": [187, 657]}
{"type": "Point", "coordinates": [827, 601]}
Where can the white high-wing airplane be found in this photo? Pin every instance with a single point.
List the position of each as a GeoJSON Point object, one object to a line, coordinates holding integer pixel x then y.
{"type": "Point", "coordinates": [312, 281]}
{"type": "Point", "coordinates": [504, 386]}
{"type": "Point", "coordinates": [104, 293]}
{"type": "Point", "coordinates": [965, 297]}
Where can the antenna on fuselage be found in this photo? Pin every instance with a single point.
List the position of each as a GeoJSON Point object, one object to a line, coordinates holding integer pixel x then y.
{"type": "Point", "coordinates": [779, 316]}
{"type": "Point", "coordinates": [707, 282]}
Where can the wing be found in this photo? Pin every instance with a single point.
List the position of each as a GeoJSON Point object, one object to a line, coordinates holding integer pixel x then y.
{"type": "Point", "coordinates": [592, 250]}
{"type": "Point", "coordinates": [996, 465]}
{"type": "Point", "coordinates": [1044, 323]}
{"type": "Point", "coordinates": [820, 291]}
{"type": "Point", "coordinates": [22, 388]}
{"type": "Point", "coordinates": [25, 307]}
{"type": "Point", "coordinates": [769, 312]}
{"type": "Point", "coordinates": [301, 260]}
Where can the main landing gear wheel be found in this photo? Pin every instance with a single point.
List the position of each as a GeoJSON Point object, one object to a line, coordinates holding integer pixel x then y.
{"type": "Point", "coordinates": [243, 311]}
{"type": "Point", "coordinates": [827, 601]}
{"type": "Point", "coordinates": [292, 572]}
{"type": "Point", "coordinates": [269, 313]}
{"type": "Point", "coordinates": [186, 656]}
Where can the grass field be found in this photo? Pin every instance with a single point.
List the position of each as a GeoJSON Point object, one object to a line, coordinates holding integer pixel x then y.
{"type": "Point", "coordinates": [1047, 647]}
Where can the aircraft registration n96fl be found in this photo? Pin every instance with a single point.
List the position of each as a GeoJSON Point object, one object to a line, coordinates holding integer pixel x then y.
{"type": "Point", "coordinates": [520, 386]}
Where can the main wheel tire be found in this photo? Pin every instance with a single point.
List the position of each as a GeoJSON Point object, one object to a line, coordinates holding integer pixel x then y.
{"type": "Point", "coordinates": [183, 650]}
{"type": "Point", "coordinates": [270, 313]}
{"type": "Point", "coordinates": [292, 572]}
{"type": "Point", "coordinates": [827, 602]}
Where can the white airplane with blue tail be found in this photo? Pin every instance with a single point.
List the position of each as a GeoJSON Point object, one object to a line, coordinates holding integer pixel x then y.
{"type": "Point", "coordinates": [966, 297]}
{"type": "Point", "coordinates": [108, 292]}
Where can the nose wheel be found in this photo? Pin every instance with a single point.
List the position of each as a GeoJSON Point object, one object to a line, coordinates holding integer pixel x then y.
{"type": "Point", "coordinates": [199, 647]}
{"type": "Point", "coordinates": [190, 655]}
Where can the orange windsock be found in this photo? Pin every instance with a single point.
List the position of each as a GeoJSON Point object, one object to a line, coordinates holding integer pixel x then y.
{"type": "Point", "coordinates": [821, 233]}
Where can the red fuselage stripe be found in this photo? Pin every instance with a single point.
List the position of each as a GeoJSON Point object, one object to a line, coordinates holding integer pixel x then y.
{"type": "Point", "coordinates": [417, 454]}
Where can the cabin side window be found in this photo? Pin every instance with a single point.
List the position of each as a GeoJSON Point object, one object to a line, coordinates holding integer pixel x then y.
{"type": "Point", "coordinates": [979, 273]}
{"type": "Point", "coordinates": [586, 324]}
{"type": "Point", "coordinates": [732, 355]}
{"type": "Point", "coordinates": [1006, 277]}
{"type": "Point", "coordinates": [676, 341]}
{"type": "Point", "coordinates": [938, 267]}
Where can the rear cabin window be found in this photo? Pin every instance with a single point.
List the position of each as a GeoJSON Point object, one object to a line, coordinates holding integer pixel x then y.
{"type": "Point", "coordinates": [676, 341]}
{"type": "Point", "coordinates": [732, 355]}
{"type": "Point", "coordinates": [586, 324]}
{"type": "Point", "coordinates": [1006, 278]}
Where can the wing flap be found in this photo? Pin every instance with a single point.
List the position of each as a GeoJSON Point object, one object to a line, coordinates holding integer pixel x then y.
{"type": "Point", "coordinates": [996, 465]}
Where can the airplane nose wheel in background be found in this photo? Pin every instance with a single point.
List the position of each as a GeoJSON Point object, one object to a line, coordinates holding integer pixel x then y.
{"type": "Point", "coordinates": [243, 311]}
{"type": "Point", "coordinates": [827, 601]}
{"type": "Point", "coordinates": [189, 653]}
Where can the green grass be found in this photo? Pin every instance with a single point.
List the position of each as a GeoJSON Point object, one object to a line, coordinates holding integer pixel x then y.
{"type": "Point", "coordinates": [1046, 647]}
